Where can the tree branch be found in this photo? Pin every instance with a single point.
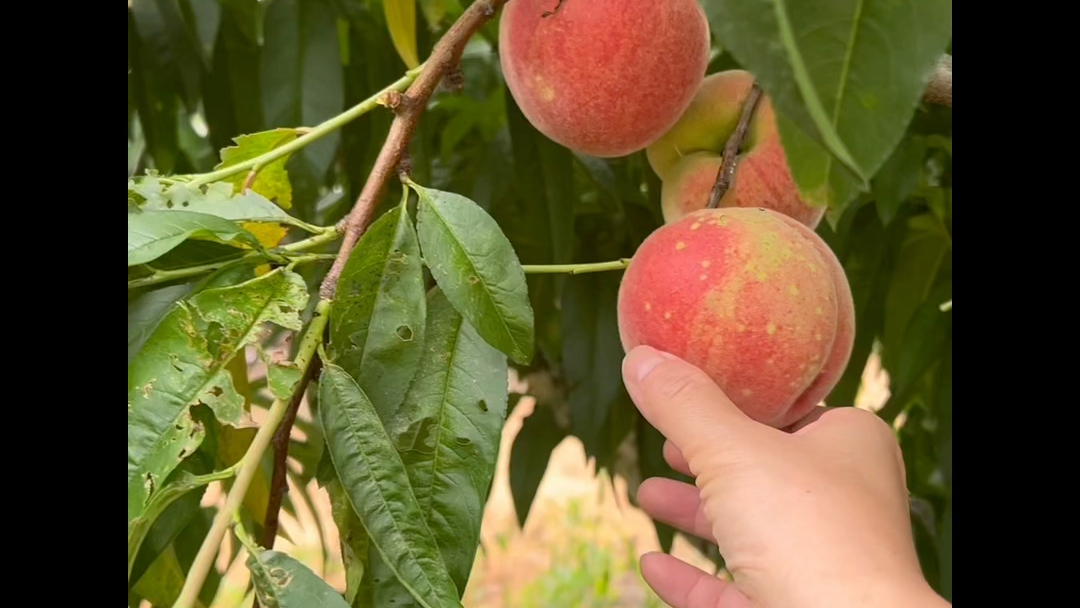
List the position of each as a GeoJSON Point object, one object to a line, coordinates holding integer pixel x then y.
{"type": "Point", "coordinates": [444, 58]}
{"type": "Point", "coordinates": [939, 89]}
{"type": "Point", "coordinates": [726, 173]}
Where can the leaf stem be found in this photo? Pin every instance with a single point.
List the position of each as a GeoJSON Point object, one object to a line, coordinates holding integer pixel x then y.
{"type": "Point", "coordinates": [250, 464]}
{"type": "Point", "coordinates": [311, 135]}
{"type": "Point", "coordinates": [620, 264]}
{"type": "Point", "coordinates": [328, 235]}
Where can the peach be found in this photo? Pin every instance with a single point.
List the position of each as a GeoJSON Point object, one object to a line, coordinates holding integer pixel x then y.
{"type": "Point", "coordinates": [686, 155]}
{"type": "Point", "coordinates": [753, 298]}
{"type": "Point", "coordinates": [761, 179]}
{"type": "Point", "coordinates": [604, 77]}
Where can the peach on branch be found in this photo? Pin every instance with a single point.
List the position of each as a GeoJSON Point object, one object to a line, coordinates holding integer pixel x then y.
{"type": "Point", "coordinates": [750, 296]}
{"type": "Point", "coordinates": [685, 155]}
{"type": "Point", "coordinates": [603, 77]}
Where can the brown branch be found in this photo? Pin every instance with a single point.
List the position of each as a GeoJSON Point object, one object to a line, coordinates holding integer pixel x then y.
{"type": "Point", "coordinates": [444, 59]}
{"type": "Point", "coordinates": [726, 173]}
{"type": "Point", "coordinates": [249, 181]}
{"type": "Point", "coordinates": [939, 89]}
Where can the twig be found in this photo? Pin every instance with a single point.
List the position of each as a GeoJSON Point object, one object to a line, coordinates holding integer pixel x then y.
{"type": "Point", "coordinates": [444, 57]}
{"type": "Point", "coordinates": [281, 455]}
{"type": "Point", "coordinates": [939, 89]}
{"type": "Point", "coordinates": [250, 464]}
{"type": "Point", "coordinates": [726, 172]}
{"type": "Point", "coordinates": [576, 268]}
{"type": "Point", "coordinates": [249, 181]}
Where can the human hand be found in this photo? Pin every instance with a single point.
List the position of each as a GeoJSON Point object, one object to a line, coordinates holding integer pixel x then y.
{"type": "Point", "coordinates": [812, 516]}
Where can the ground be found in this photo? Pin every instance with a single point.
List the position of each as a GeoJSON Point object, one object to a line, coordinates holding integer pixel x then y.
{"type": "Point", "coordinates": [579, 546]}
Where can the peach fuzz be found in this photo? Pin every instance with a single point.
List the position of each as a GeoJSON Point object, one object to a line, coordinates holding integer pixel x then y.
{"type": "Point", "coordinates": [761, 179]}
{"type": "Point", "coordinates": [747, 296]}
{"type": "Point", "coordinates": [604, 77]}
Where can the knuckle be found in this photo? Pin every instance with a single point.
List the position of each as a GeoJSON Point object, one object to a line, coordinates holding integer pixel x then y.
{"type": "Point", "coordinates": [674, 384]}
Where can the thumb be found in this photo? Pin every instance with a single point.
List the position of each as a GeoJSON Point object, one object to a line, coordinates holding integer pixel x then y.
{"type": "Point", "coordinates": [682, 402]}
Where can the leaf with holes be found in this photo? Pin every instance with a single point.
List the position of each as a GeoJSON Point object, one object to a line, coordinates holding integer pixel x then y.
{"type": "Point", "coordinates": [845, 78]}
{"type": "Point", "coordinates": [184, 363]}
{"type": "Point", "coordinates": [152, 234]}
{"type": "Point", "coordinates": [377, 318]}
{"type": "Point", "coordinates": [447, 432]}
{"type": "Point", "coordinates": [377, 484]}
{"type": "Point", "coordinates": [219, 198]}
{"type": "Point", "coordinates": [476, 267]}
{"type": "Point", "coordinates": [271, 181]}
{"type": "Point", "coordinates": [282, 582]}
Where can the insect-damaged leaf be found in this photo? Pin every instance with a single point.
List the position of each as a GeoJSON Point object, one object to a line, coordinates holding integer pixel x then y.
{"type": "Point", "coordinates": [447, 432]}
{"type": "Point", "coordinates": [184, 363]}
{"type": "Point", "coordinates": [377, 319]}
{"type": "Point", "coordinates": [476, 267]}
{"type": "Point", "coordinates": [282, 582]}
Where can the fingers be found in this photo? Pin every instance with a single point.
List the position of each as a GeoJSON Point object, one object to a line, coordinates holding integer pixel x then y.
{"type": "Point", "coordinates": [682, 402]}
{"type": "Point", "coordinates": [683, 586]}
{"type": "Point", "coordinates": [676, 504]}
{"type": "Point", "coordinates": [675, 458]}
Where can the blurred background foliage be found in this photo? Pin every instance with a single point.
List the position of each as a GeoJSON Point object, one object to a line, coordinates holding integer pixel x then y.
{"type": "Point", "coordinates": [201, 72]}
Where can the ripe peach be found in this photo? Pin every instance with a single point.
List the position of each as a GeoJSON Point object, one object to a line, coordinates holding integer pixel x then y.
{"type": "Point", "coordinates": [753, 298]}
{"type": "Point", "coordinates": [603, 77]}
{"type": "Point", "coordinates": [762, 179]}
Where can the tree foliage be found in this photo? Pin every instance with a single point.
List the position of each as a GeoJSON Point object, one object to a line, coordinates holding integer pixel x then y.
{"type": "Point", "coordinates": [434, 304]}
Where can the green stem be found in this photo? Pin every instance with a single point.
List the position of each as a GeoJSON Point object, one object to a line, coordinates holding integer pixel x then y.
{"type": "Point", "coordinates": [576, 268]}
{"type": "Point", "coordinates": [328, 235]}
{"type": "Point", "coordinates": [249, 465]}
{"type": "Point", "coordinates": [311, 135]}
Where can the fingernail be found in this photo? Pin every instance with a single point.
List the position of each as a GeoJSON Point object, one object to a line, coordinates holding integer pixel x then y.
{"type": "Point", "coordinates": [643, 360]}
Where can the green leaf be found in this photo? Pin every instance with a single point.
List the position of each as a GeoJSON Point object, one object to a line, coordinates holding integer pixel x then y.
{"type": "Point", "coordinates": [149, 536]}
{"type": "Point", "coordinates": [184, 363]}
{"type": "Point", "coordinates": [592, 353]}
{"type": "Point", "coordinates": [162, 501]}
{"type": "Point", "coordinates": [147, 310]}
{"type": "Point", "coordinates": [447, 432]}
{"type": "Point", "coordinates": [303, 80]}
{"type": "Point", "coordinates": [172, 47]}
{"type": "Point", "coordinates": [899, 176]}
{"type": "Point", "coordinates": [926, 248]}
{"type": "Point", "coordinates": [282, 582]}
{"type": "Point", "coordinates": [354, 544]}
{"type": "Point", "coordinates": [476, 267]}
{"type": "Point", "coordinates": [207, 15]}
{"type": "Point", "coordinates": [375, 479]}
{"type": "Point", "coordinates": [151, 234]}
{"type": "Point", "coordinates": [401, 20]}
{"type": "Point", "coordinates": [272, 181]}
{"type": "Point", "coordinates": [845, 76]}
{"type": "Point", "coordinates": [377, 318]}
{"type": "Point", "coordinates": [434, 11]}
{"type": "Point", "coordinates": [219, 199]}
{"type": "Point", "coordinates": [927, 332]}
{"type": "Point", "coordinates": [540, 434]}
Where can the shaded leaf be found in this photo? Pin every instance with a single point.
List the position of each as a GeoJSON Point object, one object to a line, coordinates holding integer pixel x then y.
{"type": "Point", "coordinates": [282, 582]}
{"type": "Point", "coordinates": [377, 319]}
{"type": "Point", "coordinates": [844, 75]}
{"type": "Point", "coordinates": [183, 363]}
{"type": "Point", "coordinates": [650, 445]}
{"type": "Point", "coordinates": [354, 545]}
{"type": "Point", "coordinates": [540, 434]}
{"type": "Point", "coordinates": [376, 482]}
{"type": "Point", "coordinates": [401, 21]}
{"type": "Point", "coordinates": [151, 234]}
{"type": "Point", "coordinates": [447, 432]}
{"type": "Point", "coordinates": [207, 14]}
{"type": "Point", "coordinates": [476, 267]}
{"type": "Point", "coordinates": [924, 251]}
{"type": "Point", "coordinates": [272, 181]}
{"type": "Point", "coordinates": [147, 310]}
{"type": "Point", "coordinates": [899, 176]}
{"type": "Point", "coordinates": [303, 81]}
{"type": "Point", "coordinates": [592, 353]}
